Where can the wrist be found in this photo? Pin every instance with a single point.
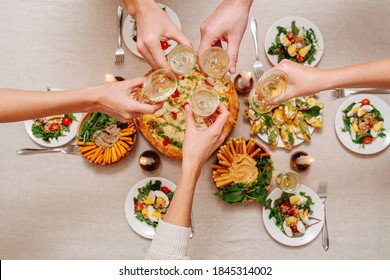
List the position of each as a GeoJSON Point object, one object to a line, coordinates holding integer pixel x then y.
{"type": "Point", "coordinates": [243, 3]}
{"type": "Point", "coordinates": [90, 100]}
{"type": "Point", "coordinates": [142, 6]}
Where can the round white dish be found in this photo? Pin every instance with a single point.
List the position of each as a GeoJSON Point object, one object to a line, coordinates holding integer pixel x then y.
{"type": "Point", "coordinates": [311, 232]}
{"type": "Point", "coordinates": [139, 227]}
{"type": "Point", "coordinates": [300, 22]}
{"type": "Point", "coordinates": [378, 144]}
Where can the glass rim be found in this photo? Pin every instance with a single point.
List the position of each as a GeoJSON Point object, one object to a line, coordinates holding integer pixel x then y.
{"type": "Point", "coordinates": [215, 48]}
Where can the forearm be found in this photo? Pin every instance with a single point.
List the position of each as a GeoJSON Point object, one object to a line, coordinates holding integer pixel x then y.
{"type": "Point", "coordinates": [370, 74]}
{"type": "Point", "coordinates": [179, 212]}
{"type": "Point", "coordinates": [17, 105]}
{"type": "Point", "coordinates": [243, 3]}
{"type": "Point", "coordinates": [135, 6]}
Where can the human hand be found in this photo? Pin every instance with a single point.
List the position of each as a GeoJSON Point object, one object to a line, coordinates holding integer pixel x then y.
{"type": "Point", "coordinates": [227, 23]}
{"type": "Point", "coordinates": [304, 80]}
{"type": "Point", "coordinates": [114, 100]}
{"type": "Point", "coordinates": [154, 26]}
{"type": "Point", "coordinates": [199, 144]}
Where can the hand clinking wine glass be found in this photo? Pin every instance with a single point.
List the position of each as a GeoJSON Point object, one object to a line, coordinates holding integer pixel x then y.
{"type": "Point", "coordinates": [204, 102]}
{"type": "Point", "coordinates": [215, 63]}
{"type": "Point", "coordinates": [158, 86]}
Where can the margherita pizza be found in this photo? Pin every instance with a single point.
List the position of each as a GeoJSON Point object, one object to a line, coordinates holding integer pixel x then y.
{"type": "Point", "coordinates": [165, 129]}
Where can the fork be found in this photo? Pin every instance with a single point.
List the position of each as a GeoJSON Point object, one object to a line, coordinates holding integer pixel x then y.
{"type": "Point", "coordinates": [322, 194]}
{"type": "Point", "coordinates": [70, 149]}
{"type": "Point", "coordinates": [258, 66]}
{"type": "Point", "coordinates": [119, 53]}
{"type": "Point", "coordinates": [344, 92]}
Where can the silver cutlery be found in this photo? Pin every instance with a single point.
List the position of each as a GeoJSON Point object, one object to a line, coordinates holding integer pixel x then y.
{"type": "Point", "coordinates": [344, 92]}
{"type": "Point", "coordinates": [119, 53]}
{"type": "Point", "coordinates": [258, 66]}
{"type": "Point", "coordinates": [71, 149]}
{"type": "Point", "coordinates": [322, 188]}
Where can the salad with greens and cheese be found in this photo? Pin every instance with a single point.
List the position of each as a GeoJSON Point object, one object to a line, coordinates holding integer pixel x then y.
{"type": "Point", "coordinates": [363, 122]}
{"type": "Point", "coordinates": [152, 202]}
{"type": "Point", "coordinates": [295, 43]}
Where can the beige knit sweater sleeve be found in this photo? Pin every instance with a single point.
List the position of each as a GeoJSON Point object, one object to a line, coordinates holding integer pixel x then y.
{"type": "Point", "coordinates": [169, 243]}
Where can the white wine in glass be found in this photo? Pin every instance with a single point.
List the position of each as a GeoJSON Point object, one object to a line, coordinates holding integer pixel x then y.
{"type": "Point", "coordinates": [159, 85]}
{"type": "Point", "coordinates": [272, 86]}
{"type": "Point", "coordinates": [182, 59]}
{"type": "Point", "coordinates": [288, 182]}
{"type": "Point", "coordinates": [215, 63]}
{"type": "Point", "coordinates": [204, 101]}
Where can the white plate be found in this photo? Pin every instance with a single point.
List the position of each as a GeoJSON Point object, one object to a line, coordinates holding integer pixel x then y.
{"type": "Point", "coordinates": [300, 22]}
{"type": "Point", "coordinates": [139, 227]}
{"type": "Point", "coordinates": [128, 31]}
{"type": "Point", "coordinates": [311, 232]}
{"type": "Point", "coordinates": [61, 140]}
{"type": "Point", "coordinates": [378, 144]}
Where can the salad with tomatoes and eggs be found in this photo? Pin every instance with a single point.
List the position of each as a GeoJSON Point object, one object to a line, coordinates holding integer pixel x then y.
{"type": "Point", "coordinates": [295, 44]}
{"type": "Point", "coordinates": [152, 202]}
{"type": "Point", "coordinates": [52, 127]}
{"type": "Point", "coordinates": [363, 122]}
{"type": "Point", "coordinates": [292, 213]}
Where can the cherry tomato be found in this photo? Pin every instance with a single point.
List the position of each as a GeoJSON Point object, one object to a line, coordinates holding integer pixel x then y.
{"type": "Point", "coordinates": [174, 115]}
{"type": "Point", "coordinates": [165, 189]}
{"type": "Point", "coordinates": [299, 58]}
{"type": "Point", "coordinates": [367, 140]}
{"type": "Point", "coordinates": [291, 38]}
{"type": "Point", "coordinates": [184, 104]}
{"type": "Point", "coordinates": [152, 125]}
{"type": "Point", "coordinates": [292, 212]}
{"type": "Point", "coordinates": [294, 229]}
{"type": "Point", "coordinates": [365, 102]}
{"type": "Point", "coordinates": [284, 207]}
{"type": "Point", "coordinates": [66, 121]}
{"type": "Point", "coordinates": [164, 45]}
{"type": "Point", "coordinates": [166, 141]}
{"type": "Point", "coordinates": [138, 206]}
{"type": "Point", "coordinates": [175, 94]}
{"type": "Point", "coordinates": [54, 127]}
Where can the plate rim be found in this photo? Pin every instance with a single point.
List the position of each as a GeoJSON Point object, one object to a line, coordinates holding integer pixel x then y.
{"type": "Point", "coordinates": [268, 42]}
{"type": "Point", "coordinates": [137, 226]}
{"type": "Point", "coordinates": [131, 45]}
{"type": "Point", "coordinates": [279, 236]}
{"type": "Point", "coordinates": [353, 146]}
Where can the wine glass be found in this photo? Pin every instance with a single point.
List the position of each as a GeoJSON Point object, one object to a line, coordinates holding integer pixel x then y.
{"type": "Point", "coordinates": [272, 86]}
{"type": "Point", "coordinates": [204, 101]}
{"type": "Point", "coordinates": [288, 181]}
{"type": "Point", "coordinates": [159, 85]}
{"type": "Point", "coordinates": [182, 59]}
{"type": "Point", "coordinates": [215, 63]}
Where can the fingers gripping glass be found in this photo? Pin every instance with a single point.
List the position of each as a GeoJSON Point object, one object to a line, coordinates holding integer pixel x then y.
{"type": "Point", "coordinates": [159, 85]}
{"type": "Point", "coordinates": [204, 102]}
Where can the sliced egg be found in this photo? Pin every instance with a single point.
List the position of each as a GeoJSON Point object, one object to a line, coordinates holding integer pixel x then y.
{"type": "Point", "coordinates": [292, 50]}
{"type": "Point", "coordinates": [151, 215]}
{"type": "Point", "coordinates": [284, 40]}
{"type": "Point", "coordinates": [297, 199]}
{"type": "Point", "coordinates": [304, 215]}
{"type": "Point", "coordinates": [375, 129]}
{"type": "Point", "coordinates": [364, 110]}
{"type": "Point", "coordinates": [160, 194]}
{"type": "Point", "coordinates": [304, 51]}
{"type": "Point", "coordinates": [287, 229]}
{"type": "Point", "coordinates": [301, 227]}
{"type": "Point", "coordinates": [150, 198]}
{"type": "Point", "coordinates": [354, 109]}
{"type": "Point", "coordinates": [353, 133]}
{"type": "Point", "coordinates": [145, 213]}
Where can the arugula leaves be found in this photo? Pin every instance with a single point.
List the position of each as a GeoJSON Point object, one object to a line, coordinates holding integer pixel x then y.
{"type": "Point", "coordinates": [312, 112]}
{"type": "Point", "coordinates": [97, 121]}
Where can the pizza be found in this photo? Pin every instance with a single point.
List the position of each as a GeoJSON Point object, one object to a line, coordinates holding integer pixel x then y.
{"type": "Point", "coordinates": [165, 129]}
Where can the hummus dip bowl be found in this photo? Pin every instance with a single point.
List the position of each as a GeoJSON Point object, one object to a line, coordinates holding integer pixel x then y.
{"type": "Point", "coordinates": [103, 140]}
{"type": "Point", "coordinates": [242, 171]}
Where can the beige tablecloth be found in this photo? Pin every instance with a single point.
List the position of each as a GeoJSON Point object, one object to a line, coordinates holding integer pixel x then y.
{"type": "Point", "coordinates": [58, 206]}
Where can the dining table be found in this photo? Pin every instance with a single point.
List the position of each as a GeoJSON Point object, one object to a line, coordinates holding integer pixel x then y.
{"type": "Point", "coordinates": [59, 206]}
